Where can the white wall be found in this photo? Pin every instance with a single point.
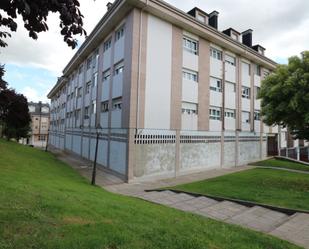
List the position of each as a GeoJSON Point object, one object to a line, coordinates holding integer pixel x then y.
{"type": "Point", "coordinates": [189, 122]}
{"type": "Point", "coordinates": [189, 91]}
{"type": "Point", "coordinates": [215, 125]}
{"type": "Point", "coordinates": [215, 98]}
{"type": "Point", "coordinates": [117, 85]}
{"type": "Point", "coordinates": [105, 90]}
{"type": "Point", "coordinates": [158, 74]}
{"type": "Point", "coordinates": [190, 61]}
{"type": "Point", "coordinates": [230, 73]}
{"type": "Point", "coordinates": [119, 50]}
{"type": "Point", "coordinates": [116, 119]}
{"type": "Point", "coordinates": [107, 59]}
{"type": "Point", "coordinates": [215, 68]}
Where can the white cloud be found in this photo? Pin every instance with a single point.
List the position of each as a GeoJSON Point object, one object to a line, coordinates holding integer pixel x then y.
{"type": "Point", "coordinates": [33, 95]}
{"type": "Point", "coordinates": [279, 25]}
{"type": "Point", "coordinates": [49, 51]}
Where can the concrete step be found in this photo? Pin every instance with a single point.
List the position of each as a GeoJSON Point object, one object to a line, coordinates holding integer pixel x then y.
{"type": "Point", "coordinates": [166, 197]}
{"type": "Point", "coordinates": [295, 230]}
{"type": "Point", "coordinates": [260, 219]}
{"type": "Point", "coordinates": [222, 211]}
{"type": "Point", "coordinates": [196, 203]}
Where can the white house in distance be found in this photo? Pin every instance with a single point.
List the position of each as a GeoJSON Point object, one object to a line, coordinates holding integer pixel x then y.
{"type": "Point", "coordinates": [168, 92]}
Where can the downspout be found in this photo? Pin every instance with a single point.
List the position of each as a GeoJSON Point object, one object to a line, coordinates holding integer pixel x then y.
{"type": "Point", "coordinates": [139, 64]}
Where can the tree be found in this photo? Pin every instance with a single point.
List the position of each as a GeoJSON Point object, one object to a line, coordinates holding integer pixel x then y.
{"type": "Point", "coordinates": [285, 96]}
{"type": "Point", "coordinates": [3, 84]}
{"type": "Point", "coordinates": [34, 14]}
{"type": "Point", "coordinates": [14, 113]}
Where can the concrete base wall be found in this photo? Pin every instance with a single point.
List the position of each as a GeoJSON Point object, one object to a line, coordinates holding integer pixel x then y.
{"type": "Point", "coordinates": [112, 146]}
{"type": "Point", "coordinates": [154, 159]}
{"type": "Point", "coordinates": [163, 153]}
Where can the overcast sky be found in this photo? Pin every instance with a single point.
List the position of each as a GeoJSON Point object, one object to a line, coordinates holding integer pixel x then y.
{"type": "Point", "coordinates": [281, 26]}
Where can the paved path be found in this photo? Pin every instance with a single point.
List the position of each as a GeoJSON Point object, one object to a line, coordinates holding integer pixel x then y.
{"type": "Point", "coordinates": [294, 228]}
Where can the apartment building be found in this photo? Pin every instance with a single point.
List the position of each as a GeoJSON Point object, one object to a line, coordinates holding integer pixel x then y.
{"type": "Point", "coordinates": [167, 92]}
{"type": "Point", "coordinates": [39, 113]}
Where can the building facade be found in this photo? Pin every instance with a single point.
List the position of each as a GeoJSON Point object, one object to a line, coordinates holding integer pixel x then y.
{"type": "Point", "coordinates": [167, 92]}
{"type": "Point", "coordinates": [39, 114]}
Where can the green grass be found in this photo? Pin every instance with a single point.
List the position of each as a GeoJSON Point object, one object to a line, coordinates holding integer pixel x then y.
{"type": "Point", "coordinates": [281, 163]}
{"type": "Point", "coordinates": [45, 204]}
{"type": "Point", "coordinates": [265, 186]}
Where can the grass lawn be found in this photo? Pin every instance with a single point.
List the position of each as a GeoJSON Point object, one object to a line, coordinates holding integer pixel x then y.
{"type": "Point", "coordinates": [281, 163]}
{"type": "Point", "coordinates": [46, 204]}
{"type": "Point", "coordinates": [268, 186]}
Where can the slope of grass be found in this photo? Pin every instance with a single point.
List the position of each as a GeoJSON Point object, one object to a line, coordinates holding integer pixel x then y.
{"type": "Point", "coordinates": [266, 186]}
{"type": "Point", "coordinates": [281, 163]}
{"type": "Point", "coordinates": [45, 204]}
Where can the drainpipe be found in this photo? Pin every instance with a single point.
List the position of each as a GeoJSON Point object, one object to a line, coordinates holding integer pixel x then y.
{"type": "Point", "coordinates": [139, 63]}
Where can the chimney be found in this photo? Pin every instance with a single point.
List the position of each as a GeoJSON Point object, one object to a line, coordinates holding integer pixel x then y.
{"type": "Point", "coordinates": [109, 5]}
{"type": "Point", "coordinates": [247, 37]}
{"type": "Point", "coordinates": [213, 19]}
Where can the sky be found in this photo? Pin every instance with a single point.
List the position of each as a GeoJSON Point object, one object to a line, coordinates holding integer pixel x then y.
{"type": "Point", "coordinates": [32, 67]}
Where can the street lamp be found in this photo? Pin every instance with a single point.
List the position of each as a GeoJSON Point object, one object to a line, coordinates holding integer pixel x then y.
{"type": "Point", "coordinates": [94, 169]}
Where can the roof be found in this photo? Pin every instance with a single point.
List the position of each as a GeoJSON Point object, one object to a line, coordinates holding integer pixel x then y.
{"type": "Point", "coordinates": [165, 11]}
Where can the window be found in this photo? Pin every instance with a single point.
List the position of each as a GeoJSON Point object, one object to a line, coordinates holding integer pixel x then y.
{"type": "Point", "coordinates": [257, 70]}
{"type": "Point", "coordinates": [79, 92]}
{"type": "Point", "coordinates": [118, 68]}
{"type": "Point", "coordinates": [215, 53]}
{"type": "Point", "coordinates": [119, 33]}
{"type": "Point", "coordinates": [189, 108]}
{"type": "Point", "coordinates": [230, 60]}
{"type": "Point", "coordinates": [189, 75]}
{"type": "Point", "coordinates": [107, 45]}
{"type": "Point", "coordinates": [190, 45]}
{"type": "Point", "coordinates": [104, 107]}
{"type": "Point", "coordinates": [88, 86]}
{"type": "Point", "coordinates": [234, 36]}
{"type": "Point", "coordinates": [96, 59]}
{"type": "Point", "coordinates": [245, 92]}
{"type": "Point", "coordinates": [245, 117]}
{"type": "Point", "coordinates": [215, 84]}
{"type": "Point", "coordinates": [87, 112]}
{"type": "Point", "coordinates": [215, 113]}
{"type": "Point", "coordinates": [201, 18]}
{"type": "Point", "coordinates": [42, 138]}
{"type": "Point", "coordinates": [257, 92]}
{"type": "Point", "coordinates": [117, 104]}
{"type": "Point", "coordinates": [257, 115]}
{"type": "Point", "coordinates": [93, 107]}
{"type": "Point", "coordinates": [45, 109]}
{"type": "Point", "coordinates": [95, 80]}
{"type": "Point", "coordinates": [106, 75]}
{"type": "Point", "coordinates": [89, 62]}
{"type": "Point", "coordinates": [77, 114]}
{"type": "Point", "coordinates": [229, 113]}
{"type": "Point", "coordinates": [246, 68]}
{"type": "Point", "coordinates": [80, 70]}
{"type": "Point", "coordinates": [31, 108]}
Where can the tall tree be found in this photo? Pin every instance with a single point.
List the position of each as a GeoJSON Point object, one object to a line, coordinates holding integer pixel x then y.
{"type": "Point", "coordinates": [285, 96]}
{"type": "Point", "coordinates": [3, 84]}
{"type": "Point", "coordinates": [34, 14]}
{"type": "Point", "coordinates": [14, 112]}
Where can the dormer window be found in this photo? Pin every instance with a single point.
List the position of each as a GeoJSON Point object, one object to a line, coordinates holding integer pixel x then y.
{"type": "Point", "coordinates": [234, 36]}
{"type": "Point", "coordinates": [201, 18]}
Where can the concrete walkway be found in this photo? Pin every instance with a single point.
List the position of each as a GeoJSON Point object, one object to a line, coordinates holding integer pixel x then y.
{"type": "Point", "coordinates": [294, 228]}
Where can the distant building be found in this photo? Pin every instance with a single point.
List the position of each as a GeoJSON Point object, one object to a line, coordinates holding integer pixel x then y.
{"type": "Point", "coordinates": [39, 113]}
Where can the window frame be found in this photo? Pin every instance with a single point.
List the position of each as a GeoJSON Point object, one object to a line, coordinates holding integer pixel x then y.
{"type": "Point", "coordinates": [215, 113]}
{"type": "Point", "coordinates": [190, 45]}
